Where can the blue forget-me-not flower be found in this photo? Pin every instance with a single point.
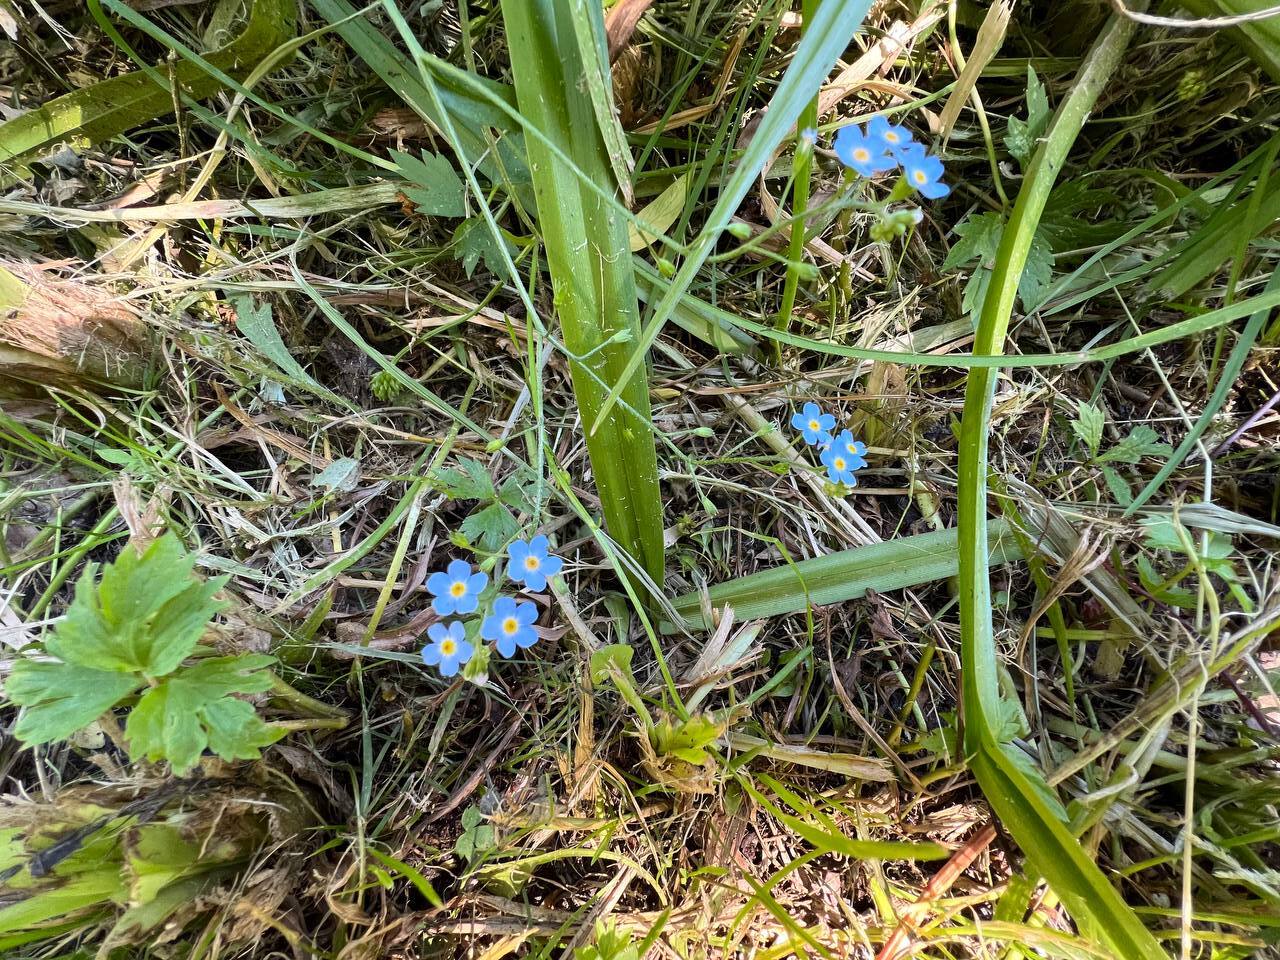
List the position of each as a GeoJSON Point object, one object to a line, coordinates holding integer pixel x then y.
{"type": "Point", "coordinates": [863, 153]}
{"type": "Point", "coordinates": [530, 563]}
{"type": "Point", "coordinates": [924, 172]}
{"type": "Point", "coordinates": [511, 625]}
{"type": "Point", "coordinates": [457, 589]}
{"type": "Point", "coordinates": [814, 425]}
{"type": "Point", "coordinates": [894, 139]}
{"type": "Point", "coordinates": [448, 649]}
{"type": "Point", "coordinates": [843, 457]}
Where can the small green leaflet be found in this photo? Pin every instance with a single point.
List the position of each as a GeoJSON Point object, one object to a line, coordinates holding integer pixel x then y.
{"type": "Point", "coordinates": [1088, 426]}
{"type": "Point", "coordinates": [61, 698]}
{"type": "Point", "coordinates": [473, 242]}
{"type": "Point", "coordinates": [1021, 135]}
{"type": "Point", "coordinates": [469, 480]}
{"type": "Point", "coordinates": [1142, 442]}
{"type": "Point", "coordinates": [435, 188]}
{"type": "Point", "coordinates": [490, 528]}
{"type": "Point", "coordinates": [193, 709]}
{"type": "Point", "coordinates": [146, 615]}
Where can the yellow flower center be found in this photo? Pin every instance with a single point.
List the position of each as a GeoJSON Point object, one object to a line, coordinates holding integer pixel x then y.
{"type": "Point", "coordinates": [814, 425]}
{"type": "Point", "coordinates": [891, 136]}
{"type": "Point", "coordinates": [532, 563]}
{"type": "Point", "coordinates": [919, 176]}
{"type": "Point", "coordinates": [510, 625]}
{"type": "Point", "coordinates": [448, 647]}
{"type": "Point", "coordinates": [839, 462]}
{"type": "Point", "coordinates": [458, 589]}
{"type": "Point", "coordinates": [861, 154]}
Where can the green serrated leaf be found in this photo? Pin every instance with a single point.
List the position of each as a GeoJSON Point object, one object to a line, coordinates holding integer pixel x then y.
{"type": "Point", "coordinates": [473, 243]}
{"type": "Point", "coordinates": [516, 495]}
{"type": "Point", "coordinates": [194, 708]}
{"type": "Point", "coordinates": [1118, 485]}
{"type": "Point", "coordinates": [1088, 425]}
{"type": "Point", "coordinates": [470, 480]}
{"type": "Point", "coordinates": [1142, 441]}
{"type": "Point", "coordinates": [436, 188]}
{"type": "Point", "coordinates": [979, 239]}
{"type": "Point", "coordinates": [146, 615]}
{"type": "Point", "coordinates": [491, 528]}
{"type": "Point", "coordinates": [1022, 135]}
{"type": "Point", "coordinates": [1036, 274]}
{"type": "Point", "coordinates": [61, 698]}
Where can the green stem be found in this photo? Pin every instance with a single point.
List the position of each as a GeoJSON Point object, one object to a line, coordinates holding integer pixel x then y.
{"type": "Point", "coordinates": [801, 170]}
{"type": "Point", "coordinates": [1015, 789]}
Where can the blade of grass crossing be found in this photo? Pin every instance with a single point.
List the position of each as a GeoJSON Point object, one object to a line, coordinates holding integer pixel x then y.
{"type": "Point", "coordinates": [1013, 787]}
{"type": "Point", "coordinates": [834, 24]}
{"type": "Point", "coordinates": [591, 271]}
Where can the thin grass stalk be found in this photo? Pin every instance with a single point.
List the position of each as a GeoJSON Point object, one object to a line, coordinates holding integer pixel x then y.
{"type": "Point", "coordinates": [801, 171]}
{"type": "Point", "coordinates": [592, 275]}
{"type": "Point", "coordinates": [1014, 788]}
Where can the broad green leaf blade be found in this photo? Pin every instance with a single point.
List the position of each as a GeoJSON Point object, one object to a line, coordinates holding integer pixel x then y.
{"type": "Point", "coordinates": [194, 708]}
{"type": "Point", "coordinates": [106, 109]}
{"type": "Point", "coordinates": [61, 698]}
{"type": "Point", "coordinates": [846, 575]}
{"type": "Point", "coordinates": [825, 39]}
{"type": "Point", "coordinates": [592, 276]}
{"type": "Point", "coordinates": [1023, 805]}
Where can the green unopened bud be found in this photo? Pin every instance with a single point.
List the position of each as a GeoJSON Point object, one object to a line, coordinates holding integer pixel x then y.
{"type": "Point", "coordinates": [806, 271]}
{"type": "Point", "coordinates": [740, 230]}
{"type": "Point", "coordinates": [666, 267]}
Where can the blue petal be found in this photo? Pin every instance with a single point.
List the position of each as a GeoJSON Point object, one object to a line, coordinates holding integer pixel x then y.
{"type": "Point", "coordinates": [477, 582]}
{"type": "Point", "coordinates": [551, 566]}
{"type": "Point", "coordinates": [539, 545]}
{"type": "Point", "coordinates": [438, 583]}
{"type": "Point", "coordinates": [506, 646]}
{"type": "Point", "coordinates": [444, 604]}
{"type": "Point", "coordinates": [431, 655]}
{"type": "Point", "coordinates": [458, 569]}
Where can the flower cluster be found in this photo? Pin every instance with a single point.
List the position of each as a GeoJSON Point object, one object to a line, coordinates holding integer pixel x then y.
{"type": "Point", "coordinates": [882, 146]}
{"type": "Point", "coordinates": [841, 454]}
{"type": "Point", "coordinates": [456, 591]}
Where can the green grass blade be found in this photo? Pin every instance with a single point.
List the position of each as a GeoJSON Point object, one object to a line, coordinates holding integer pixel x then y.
{"type": "Point", "coordinates": [846, 575]}
{"type": "Point", "coordinates": [591, 272]}
{"type": "Point", "coordinates": [109, 108]}
{"type": "Point", "coordinates": [472, 116]}
{"type": "Point", "coordinates": [834, 24]}
{"type": "Point", "coordinates": [1014, 788]}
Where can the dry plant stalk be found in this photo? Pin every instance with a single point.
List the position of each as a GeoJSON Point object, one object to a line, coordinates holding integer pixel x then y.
{"type": "Point", "coordinates": [65, 332]}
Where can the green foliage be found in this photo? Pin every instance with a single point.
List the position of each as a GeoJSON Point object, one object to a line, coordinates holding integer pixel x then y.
{"type": "Point", "coordinates": [687, 739]}
{"type": "Point", "coordinates": [1211, 551]}
{"type": "Point", "coordinates": [110, 107]}
{"type": "Point", "coordinates": [1088, 425]}
{"type": "Point", "coordinates": [194, 708]}
{"type": "Point", "coordinates": [474, 243]}
{"type": "Point", "coordinates": [132, 629]}
{"type": "Point", "coordinates": [980, 235]}
{"type": "Point", "coordinates": [610, 943]}
{"type": "Point", "coordinates": [491, 525]}
{"type": "Point", "coordinates": [1021, 135]}
{"type": "Point", "coordinates": [1141, 442]}
{"type": "Point", "coordinates": [477, 836]}
{"type": "Point", "coordinates": [435, 187]}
